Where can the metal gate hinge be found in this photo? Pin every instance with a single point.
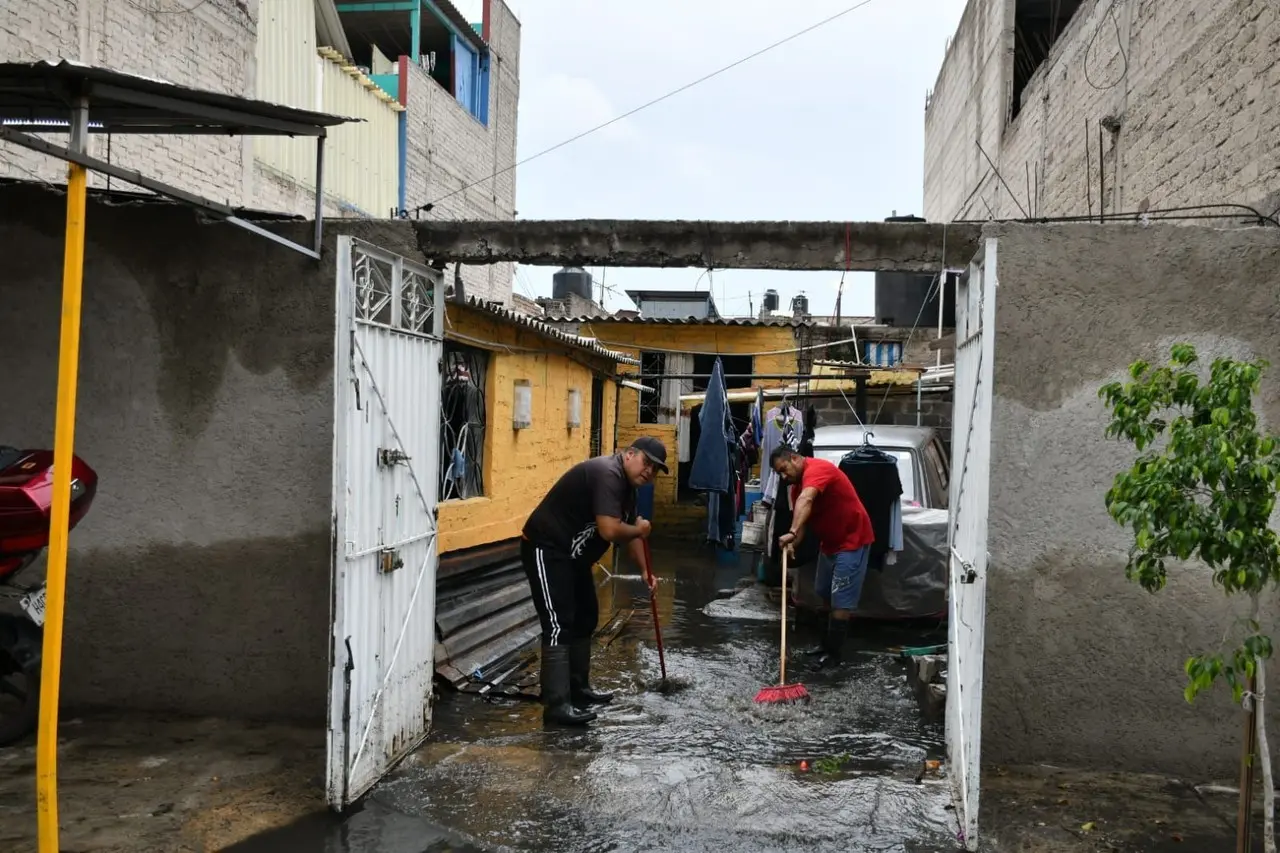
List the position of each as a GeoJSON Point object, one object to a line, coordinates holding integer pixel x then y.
{"type": "Point", "coordinates": [388, 457]}
{"type": "Point", "coordinates": [389, 560]}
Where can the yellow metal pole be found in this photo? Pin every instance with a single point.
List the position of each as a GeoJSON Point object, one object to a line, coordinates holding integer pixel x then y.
{"type": "Point", "coordinates": [63, 445]}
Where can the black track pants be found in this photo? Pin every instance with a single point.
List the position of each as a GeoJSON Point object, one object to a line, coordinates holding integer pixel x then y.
{"type": "Point", "coordinates": [564, 594]}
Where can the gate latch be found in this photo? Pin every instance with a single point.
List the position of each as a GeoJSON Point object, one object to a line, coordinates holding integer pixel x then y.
{"type": "Point", "coordinates": [390, 457]}
{"type": "Point", "coordinates": [389, 560]}
{"type": "Point", "coordinates": [967, 572]}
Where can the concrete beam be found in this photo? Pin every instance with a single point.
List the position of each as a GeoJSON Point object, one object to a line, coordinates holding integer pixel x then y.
{"type": "Point", "coordinates": [873, 246]}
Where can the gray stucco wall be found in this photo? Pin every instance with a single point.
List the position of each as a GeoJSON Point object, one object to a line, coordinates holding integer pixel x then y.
{"type": "Point", "coordinates": [200, 581]}
{"type": "Point", "coordinates": [1082, 666]}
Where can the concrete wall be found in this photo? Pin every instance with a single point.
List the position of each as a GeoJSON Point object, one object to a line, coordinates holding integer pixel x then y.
{"type": "Point", "coordinates": [1193, 84]}
{"type": "Point", "coordinates": [1082, 666]}
{"type": "Point", "coordinates": [451, 155]}
{"type": "Point", "coordinates": [200, 581]}
{"type": "Point", "coordinates": [520, 466]}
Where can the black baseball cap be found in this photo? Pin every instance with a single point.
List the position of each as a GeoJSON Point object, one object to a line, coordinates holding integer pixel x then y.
{"type": "Point", "coordinates": [654, 450]}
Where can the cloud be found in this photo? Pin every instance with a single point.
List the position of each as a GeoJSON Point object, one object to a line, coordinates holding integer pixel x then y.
{"type": "Point", "coordinates": [557, 106]}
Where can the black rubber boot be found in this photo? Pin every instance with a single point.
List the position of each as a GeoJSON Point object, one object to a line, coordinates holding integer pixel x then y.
{"type": "Point", "coordinates": [580, 693]}
{"type": "Point", "coordinates": [833, 642]}
{"type": "Point", "coordinates": [556, 707]}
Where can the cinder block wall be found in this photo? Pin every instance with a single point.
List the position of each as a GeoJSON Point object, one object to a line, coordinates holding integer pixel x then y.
{"type": "Point", "coordinates": [1193, 84]}
{"type": "Point", "coordinates": [210, 47]}
{"type": "Point", "coordinates": [452, 157]}
{"type": "Point", "coordinates": [1082, 666]}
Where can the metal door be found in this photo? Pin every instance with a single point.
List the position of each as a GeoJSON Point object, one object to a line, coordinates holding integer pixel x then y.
{"type": "Point", "coordinates": [386, 447]}
{"type": "Point", "coordinates": [967, 537]}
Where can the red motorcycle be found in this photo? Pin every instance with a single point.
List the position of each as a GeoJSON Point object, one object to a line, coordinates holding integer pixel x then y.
{"type": "Point", "coordinates": [26, 498]}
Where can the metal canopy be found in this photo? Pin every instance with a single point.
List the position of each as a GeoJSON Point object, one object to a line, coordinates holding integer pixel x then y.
{"type": "Point", "coordinates": [55, 97]}
{"type": "Point", "coordinates": [39, 97]}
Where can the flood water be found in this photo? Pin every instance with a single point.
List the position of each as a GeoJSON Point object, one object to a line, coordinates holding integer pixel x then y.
{"type": "Point", "coordinates": [702, 768]}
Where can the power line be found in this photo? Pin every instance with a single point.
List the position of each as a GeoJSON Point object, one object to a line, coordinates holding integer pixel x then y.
{"type": "Point", "coordinates": [655, 101]}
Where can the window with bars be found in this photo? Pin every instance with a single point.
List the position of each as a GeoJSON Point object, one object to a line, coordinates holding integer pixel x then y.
{"type": "Point", "coordinates": [462, 422]}
{"type": "Point", "coordinates": [652, 367]}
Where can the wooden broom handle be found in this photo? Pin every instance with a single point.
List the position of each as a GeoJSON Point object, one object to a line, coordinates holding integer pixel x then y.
{"type": "Point", "coordinates": [783, 667]}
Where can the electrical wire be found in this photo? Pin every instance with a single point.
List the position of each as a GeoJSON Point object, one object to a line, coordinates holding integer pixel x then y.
{"type": "Point", "coordinates": [1124, 56]}
{"type": "Point", "coordinates": [671, 94]}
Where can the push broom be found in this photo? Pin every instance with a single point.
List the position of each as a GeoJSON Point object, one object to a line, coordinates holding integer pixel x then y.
{"type": "Point", "coordinates": [783, 692]}
{"type": "Point", "coordinates": [657, 627]}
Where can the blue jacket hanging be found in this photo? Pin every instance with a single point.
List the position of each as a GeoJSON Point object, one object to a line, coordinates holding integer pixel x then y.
{"type": "Point", "coordinates": [711, 471]}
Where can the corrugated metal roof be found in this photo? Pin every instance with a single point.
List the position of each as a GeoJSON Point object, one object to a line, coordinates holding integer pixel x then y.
{"type": "Point", "coordinates": [38, 96]}
{"type": "Point", "coordinates": [515, 318]}
{"type": "Point", "coordinates": [692, 321]}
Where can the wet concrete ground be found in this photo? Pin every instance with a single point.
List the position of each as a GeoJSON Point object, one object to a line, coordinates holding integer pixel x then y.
{"type": "Point", "coordinates": [699, 768]}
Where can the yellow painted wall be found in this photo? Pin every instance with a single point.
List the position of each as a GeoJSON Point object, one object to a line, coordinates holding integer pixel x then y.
{"type": "Point", "coordinates": [520, 466]}
{"type": "Point", "coordinates": [632, 338]}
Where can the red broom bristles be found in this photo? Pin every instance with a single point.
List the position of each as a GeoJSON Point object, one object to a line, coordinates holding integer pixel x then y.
{"type": "Point", "coordinates": [782, 694]}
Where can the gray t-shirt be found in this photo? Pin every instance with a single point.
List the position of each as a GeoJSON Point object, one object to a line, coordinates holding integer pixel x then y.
{"type": "Point", "coordinates": [565, 521]}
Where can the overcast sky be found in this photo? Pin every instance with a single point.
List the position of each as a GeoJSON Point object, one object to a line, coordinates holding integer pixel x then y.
{"type": "Point", "coordinates": [829, 126]}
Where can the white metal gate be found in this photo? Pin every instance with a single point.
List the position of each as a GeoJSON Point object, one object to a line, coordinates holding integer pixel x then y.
{"type": "Point", "coordinates": [967, 539]}
{"type": "Point", "coordinates": [386, 448]}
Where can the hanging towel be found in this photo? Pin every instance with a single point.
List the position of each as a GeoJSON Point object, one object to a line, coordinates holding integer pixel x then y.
{"type": "Point", "coordinates": [683, 437]}
{"type": "Point", "coordinates": [711, 470]}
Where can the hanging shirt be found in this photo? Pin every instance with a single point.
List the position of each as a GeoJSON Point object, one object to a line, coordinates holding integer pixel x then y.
{"type": "Point", "coordinates": [780, 426]}
{"type": "Point", "coordinates": [838, 520]}
{"type": "Point", "coordinates": [711, 469]}
{"type": "Point", "coordinates": [874, 475]}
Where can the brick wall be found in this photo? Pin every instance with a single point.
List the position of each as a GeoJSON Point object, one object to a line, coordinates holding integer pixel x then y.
{"type": "Point", "coordinates": [520, 466]}
{"type": "Point", "coordinates": [451, 155]}
{"type": "Point", "coordinates": [1195, 85]}
{"type": "Point", "coordinates": [211, 47]}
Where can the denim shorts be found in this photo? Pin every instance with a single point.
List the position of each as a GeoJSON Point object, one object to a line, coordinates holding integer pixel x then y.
{"type": "Point", "coordinates": [840, 576]}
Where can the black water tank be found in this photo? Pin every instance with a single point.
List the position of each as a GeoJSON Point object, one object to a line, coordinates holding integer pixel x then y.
{"type": "Point", "coordinates": [771, 300]}
{"type": "Point", "coordinates": [571, 280]}
{"type": "Point", "coordinates": [800, 305]}
{"type": "Point", "coordinates": [903, 298]}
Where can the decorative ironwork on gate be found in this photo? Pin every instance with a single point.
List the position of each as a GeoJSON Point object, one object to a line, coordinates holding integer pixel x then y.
{"type": "Point", "coordinates": [387, 293]}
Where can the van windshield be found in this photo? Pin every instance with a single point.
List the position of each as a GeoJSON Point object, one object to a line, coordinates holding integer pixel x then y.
{"type": "Point", "coordinates": [906, 467]}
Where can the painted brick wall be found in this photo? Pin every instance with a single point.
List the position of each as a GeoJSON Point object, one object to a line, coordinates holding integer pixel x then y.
{"type": "Point", "coordinates": [633, 338]}
{"type": "Point", "coordinates": [521, 465]}
{"type": "Point", "coordinates": [1195, 85]}
{"type": "Point", "coordinates": [452, 156]}
{"type": "Point", "coordinates": [211, 47]}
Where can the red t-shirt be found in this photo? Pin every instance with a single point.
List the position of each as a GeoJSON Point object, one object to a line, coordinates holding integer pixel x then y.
{"type": "Point", "coordinates": [838, 519]}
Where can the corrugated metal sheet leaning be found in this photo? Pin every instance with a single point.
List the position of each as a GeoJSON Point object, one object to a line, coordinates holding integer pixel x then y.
{"type": "Point", "coordinates": [486, 627]}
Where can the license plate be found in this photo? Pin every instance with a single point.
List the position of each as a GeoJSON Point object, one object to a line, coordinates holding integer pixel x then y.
{"type": "Point", "coordinates": [33, 605]}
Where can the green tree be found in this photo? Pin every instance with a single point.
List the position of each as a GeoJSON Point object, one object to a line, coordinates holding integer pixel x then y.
{"type": "Point", "coordinates": [1203, 486]}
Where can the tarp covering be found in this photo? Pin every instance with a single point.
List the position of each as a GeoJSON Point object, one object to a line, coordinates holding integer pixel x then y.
{"type": "Point", "coordinates": [914, 586]}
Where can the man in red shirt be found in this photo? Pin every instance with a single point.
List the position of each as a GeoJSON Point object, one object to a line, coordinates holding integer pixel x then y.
{"type": "Point", "coordinates": [825, 502]}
